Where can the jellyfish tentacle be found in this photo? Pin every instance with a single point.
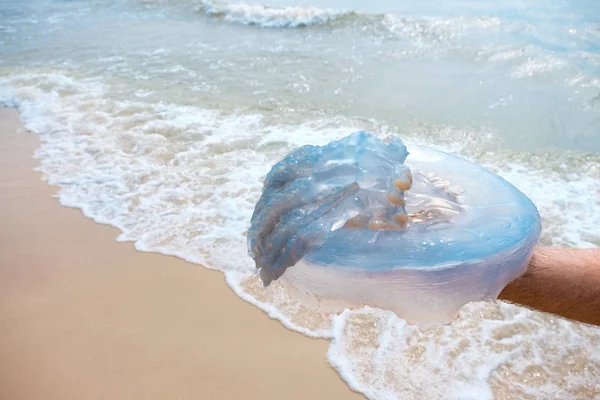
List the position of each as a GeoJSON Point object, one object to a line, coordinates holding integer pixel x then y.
{"type": "Point", "coordinates": [300, 193]}
{"type": "Point", "coordinates": [298, 164]}
{"type": "Point", "coordinates": [293, 251]}
{"type": "Point", "coordinates": [297, 194]}
{"type": "Point", "coordinates": [303, 229]}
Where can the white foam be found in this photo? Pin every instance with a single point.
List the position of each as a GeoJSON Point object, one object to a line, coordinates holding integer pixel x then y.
{"type": "Point", "coordinates": [279, 305]}
{"type": "Point", "coordinates": [381, 356]}
{"type": "Point", "coordinates": [183, 180]}
{"type": "Point", "coordinates": [270, 17]}
{"type": "Point", "coordinates": [568, 201]}
{"type": "Point", "coordinates": [538, 66]}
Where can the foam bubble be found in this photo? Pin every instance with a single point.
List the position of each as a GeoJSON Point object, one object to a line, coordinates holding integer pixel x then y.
{"type": "Point", "coordinates": [539, 66]}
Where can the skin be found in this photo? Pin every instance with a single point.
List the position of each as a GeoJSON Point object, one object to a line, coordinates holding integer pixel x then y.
{"type": "Point", "coordinates": [561, 281]}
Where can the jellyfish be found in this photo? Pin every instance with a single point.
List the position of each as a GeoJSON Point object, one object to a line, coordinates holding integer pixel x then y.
{"type": "Point", "coordinates": [361, 221]}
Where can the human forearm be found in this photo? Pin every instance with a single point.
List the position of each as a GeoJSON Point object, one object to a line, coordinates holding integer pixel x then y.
{"type": "Point", "coordinates": [561, 281]}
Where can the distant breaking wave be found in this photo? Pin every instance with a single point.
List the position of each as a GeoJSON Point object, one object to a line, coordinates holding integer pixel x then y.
{"type": "Point", "coordinates": [422, 31]}
{"type": "Point", "coordinates": [271, 17]}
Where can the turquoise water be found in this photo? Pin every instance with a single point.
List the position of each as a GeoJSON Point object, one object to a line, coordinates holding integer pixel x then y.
{"type": "Point", "coordinates": [526, 70]}
{"type": "Point", "coordinates": [162, 117]}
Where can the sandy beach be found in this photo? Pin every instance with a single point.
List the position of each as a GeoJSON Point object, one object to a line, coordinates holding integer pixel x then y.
{"type": "Point", "coordinates": [85, 317]}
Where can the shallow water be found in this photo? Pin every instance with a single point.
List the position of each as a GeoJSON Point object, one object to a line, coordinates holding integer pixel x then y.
{"type": "Point", "coordinates": [162, 117]}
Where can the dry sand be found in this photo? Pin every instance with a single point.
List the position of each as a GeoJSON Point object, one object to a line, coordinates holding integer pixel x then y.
{"type": "Point", "coordinates": [85, 317]}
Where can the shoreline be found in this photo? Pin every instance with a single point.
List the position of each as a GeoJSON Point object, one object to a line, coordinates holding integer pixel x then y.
{"type": "Point", "coordinates": [83, 316]}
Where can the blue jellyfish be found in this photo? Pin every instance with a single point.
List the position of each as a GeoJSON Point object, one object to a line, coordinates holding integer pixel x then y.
{"type": "Point", "coordinates": [362, 221]}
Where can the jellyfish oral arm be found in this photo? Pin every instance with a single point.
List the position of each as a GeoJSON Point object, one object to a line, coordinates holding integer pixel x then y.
{"type": "Point", "coordinates": [561, 281]}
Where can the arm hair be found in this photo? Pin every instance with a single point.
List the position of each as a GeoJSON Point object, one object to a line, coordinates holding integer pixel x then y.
{"type": "Point", "coordinates": [561, 281]}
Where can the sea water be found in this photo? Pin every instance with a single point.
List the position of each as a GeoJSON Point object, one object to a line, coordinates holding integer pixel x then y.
{"type": "Point", "coordinates": [162, 118]}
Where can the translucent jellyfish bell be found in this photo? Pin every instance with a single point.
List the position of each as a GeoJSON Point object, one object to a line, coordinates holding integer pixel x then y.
{"type": "Point", "coordinates": [349, 224]}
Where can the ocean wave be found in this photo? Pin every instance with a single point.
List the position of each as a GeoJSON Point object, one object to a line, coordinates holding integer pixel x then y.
{"type": "Point", "coordinates": [271, 17]}
{"type": "Point", "coordinates": [422, 32]}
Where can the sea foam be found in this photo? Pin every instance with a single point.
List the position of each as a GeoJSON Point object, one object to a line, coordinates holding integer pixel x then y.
{"type": "Point", "coordinates": [270, 17]}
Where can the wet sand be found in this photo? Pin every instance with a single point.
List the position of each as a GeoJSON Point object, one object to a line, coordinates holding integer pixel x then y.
{"type": "Point", "coordinates": [85, 317]}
